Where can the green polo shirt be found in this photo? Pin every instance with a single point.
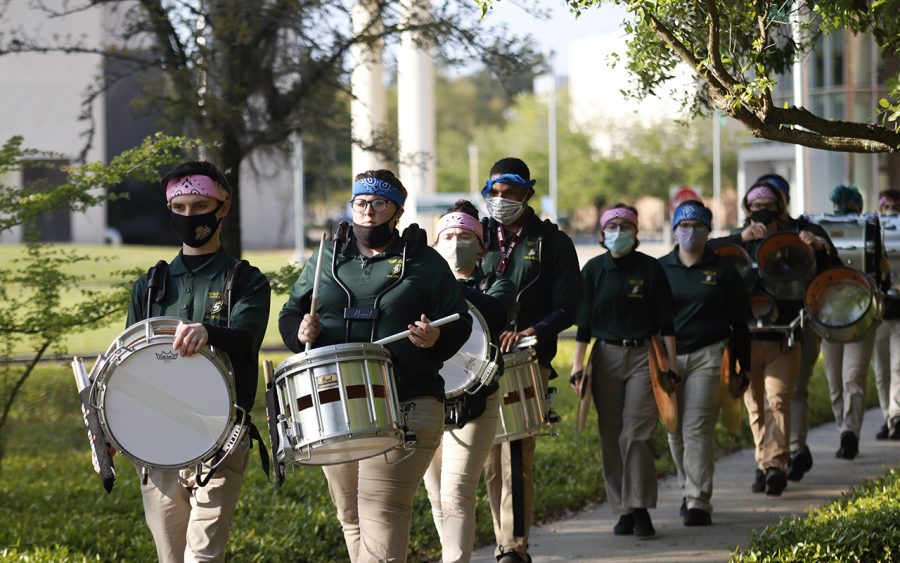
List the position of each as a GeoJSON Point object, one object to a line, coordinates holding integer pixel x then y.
{"type": "Point", "coordinates": [625, 298]}
{"type": "Point", "coordinates": [198, 296]}
{"type": "Point", "coordinates": [710, 304]}
{"type": "Point", "coordinates": [427, 286]}
{"type": "Point", "coordinates": [543, 267]}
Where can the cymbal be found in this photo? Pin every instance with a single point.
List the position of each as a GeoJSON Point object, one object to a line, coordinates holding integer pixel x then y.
{"type": "Point", "coordinates": [666, 401]}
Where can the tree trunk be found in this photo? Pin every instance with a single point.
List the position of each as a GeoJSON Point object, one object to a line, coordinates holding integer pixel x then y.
{"type": "Point", "coordinates": [230, 158]}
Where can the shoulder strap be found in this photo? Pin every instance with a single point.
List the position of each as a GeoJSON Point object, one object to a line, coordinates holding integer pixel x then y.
{"type": "Point", "coordinates": [414, 239]}
{"type": "Point", "coordinates": [487, 281]}
{"type": "Point", "coordinates": [235, 283]}
{"type": "Point", "coordinates": [341, 235]}
{"type": "Point", "coordinates": [156, 284]}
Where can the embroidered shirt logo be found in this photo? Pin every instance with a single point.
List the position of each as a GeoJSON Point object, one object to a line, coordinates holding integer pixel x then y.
{"type": "Point", "coordinates": [635, 288]}
{"type": "Point", "coordinates": [217, 306]}
{"type": "Point", "coordinates": [709, 277]}
{"type": "Point", "coordinates": [167, 357]}
{"type": "Point", "coordinates": [394, 272]}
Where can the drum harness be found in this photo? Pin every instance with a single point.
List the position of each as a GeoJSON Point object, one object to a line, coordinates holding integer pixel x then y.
{"type": "Point", "coordinates": [235, 281]}
{"type": "Point", "coordinates": [414, 239]}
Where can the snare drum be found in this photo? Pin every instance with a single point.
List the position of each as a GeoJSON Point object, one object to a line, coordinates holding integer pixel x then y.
{"type": "Point", "coordinates": [857, 239]}
{"type": "Point", "coordinates": [523, 397]}
{"type": "Point", "coordinates": [339, 404]}
{"type": "Point", "coordinates": [844, 305]}
{"type": "Point", "coordinates": [160, 409]}
{"type": "Point", "coordinates": [786, 265]}
{"type": "Point", "coordinates": [475, 365]}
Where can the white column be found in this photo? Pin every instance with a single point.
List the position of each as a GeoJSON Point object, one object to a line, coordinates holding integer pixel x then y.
{"type": "Point", "coordinates": [299, 198]}
{"type": "Point", "coordinates": [368, 108]}
{"type": "Point", "coordinates": [416, 113]}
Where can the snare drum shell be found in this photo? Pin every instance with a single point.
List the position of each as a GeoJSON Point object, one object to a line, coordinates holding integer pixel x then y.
{"type": "Point", "coordinates": [463, 371]}
{"type": "Point", "coordinates": [158, 408]}
{"type": "Point", "coordinates": [340, 403]}
{"type": "Point", "coordinates": [523, 397]}
{"type": "Point", "coordinates": [852, 331]}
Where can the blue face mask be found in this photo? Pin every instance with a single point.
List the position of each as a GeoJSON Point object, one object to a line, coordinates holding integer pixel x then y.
{"type": "Point", "coordinates": [621, 242]}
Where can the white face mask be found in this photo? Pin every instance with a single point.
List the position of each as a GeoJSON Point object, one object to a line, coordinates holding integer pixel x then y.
{"type": "Point", "coordinates": [620, 242]}
{"type": "Point", "coordinates": [461, 255]}
{"type": "Point", "coordinates": [505, 211]}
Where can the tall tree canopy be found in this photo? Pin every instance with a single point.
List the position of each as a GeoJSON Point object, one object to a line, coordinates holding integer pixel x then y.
{"type": "Point", "coordinates": [246, 74]}
{"type": "Point", "coordinates": [737, 50]}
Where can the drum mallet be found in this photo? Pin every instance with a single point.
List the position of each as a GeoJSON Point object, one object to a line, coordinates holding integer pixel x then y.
{"type": "Point", "coordinates": [316, 282]}
{"type": "Point", "coordinates": [406, 333]}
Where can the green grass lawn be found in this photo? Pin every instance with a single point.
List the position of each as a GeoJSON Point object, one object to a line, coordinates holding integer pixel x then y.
{"type": "Point", "coordinates": [53, 508]}
{"type": "Point", "coordinates": [101, 274]}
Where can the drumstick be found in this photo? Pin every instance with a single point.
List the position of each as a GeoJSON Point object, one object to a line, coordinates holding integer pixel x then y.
{"type": "Point", "coordinates": [405, 333]}
{"type": "Point", "coordinates": [268, 370]}
{"type": "Point", "coordinates": [316, 282]}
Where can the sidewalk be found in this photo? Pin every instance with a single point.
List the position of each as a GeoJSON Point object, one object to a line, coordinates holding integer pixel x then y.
{"type": "Point", "coordinates": [588, 535]}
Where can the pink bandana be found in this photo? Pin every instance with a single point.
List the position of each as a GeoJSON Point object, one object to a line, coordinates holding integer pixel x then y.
{"type": "Point", "coordinates": [620, 213]}
{"type": "Point", "coordinates": [885, 200]}
{"type": "Point", "coordinates": [195, 185]}
{"type": "Point", "coordinates": [462, 221]}
{"type": "Point", "coordinates": [760, 192]}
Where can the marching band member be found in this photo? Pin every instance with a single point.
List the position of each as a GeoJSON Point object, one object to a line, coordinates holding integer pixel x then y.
{"type": "Point", "coordinates": [541, 262]}
{"type": "Point", "coordinates": [626, 301]}
{"type": "Point", "coordinates": [378, 284]}
{"type": "Point", "coordinates": [774, 367]}
{"type": "Point", "coordinates": [711, 304]}
{"type": "Point", "coordinates": [454, 472]}
{"type": "Point", "coordinates": [188, 521]}
{"type": "Point", "coordinates": [847, 363]}
{"type": "Point", "coordinates": [887, 338]}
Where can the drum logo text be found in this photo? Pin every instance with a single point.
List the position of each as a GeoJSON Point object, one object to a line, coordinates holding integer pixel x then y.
{"type": "Point", "coordinates": [167, 357]}
{"type": "Point", "coordinates": [327, 380]}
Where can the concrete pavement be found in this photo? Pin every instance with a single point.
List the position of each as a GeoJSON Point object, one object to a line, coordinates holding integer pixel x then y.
{"type": "Point", "coordinates": [588, 536]}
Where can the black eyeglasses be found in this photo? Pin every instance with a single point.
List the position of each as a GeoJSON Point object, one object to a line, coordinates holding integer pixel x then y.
{"type": "Point", "coordinates": [360, 205]}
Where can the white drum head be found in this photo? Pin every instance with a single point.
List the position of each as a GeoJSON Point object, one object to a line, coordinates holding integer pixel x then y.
{"type": "Point", "coordinates": [467, 365]}
{"type": "Point", "coordinates": [166, 410]}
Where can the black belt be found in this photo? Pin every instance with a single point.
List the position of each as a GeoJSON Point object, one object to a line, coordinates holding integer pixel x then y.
{"type": "Point", "coordinates": [627, 342]}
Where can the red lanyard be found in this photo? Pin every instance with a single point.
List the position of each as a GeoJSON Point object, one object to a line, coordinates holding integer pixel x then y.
{"type": "Point", "coordinates": [506, 253]}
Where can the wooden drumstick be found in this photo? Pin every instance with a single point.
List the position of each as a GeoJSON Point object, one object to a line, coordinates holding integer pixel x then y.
{"type": "Point", "coordinates": [316, 282]}
{"type": "Point", "coordinates": [268, 371]}
{"type": "Point", "coordinates": [406, 333]}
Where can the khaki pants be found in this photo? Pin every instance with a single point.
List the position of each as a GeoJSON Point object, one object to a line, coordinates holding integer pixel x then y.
{"type": "Point", "coordinates": [809, 355]}
{"type": "Point", "coordinates": [887, 367]}
{"type": "Point", "coordinates": [846, 367]}
{"type": "Point", "coordinates": [191, 523]}
{"type": "Point", "coordinates": [693, 443]}
{"type": "Point", "coordinates": [453, 476]}
{"type": "Point", "coordinates": [627, 414]}
{"type": "Point", "coordinates": [773, 374]}
{"type": "Point", "coordinates": [510, 504]}
{"type": "Point", "coordinates": [374, 499]}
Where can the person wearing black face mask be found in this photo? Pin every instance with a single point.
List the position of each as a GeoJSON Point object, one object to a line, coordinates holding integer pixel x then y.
{"type": "Point", "coordinates": [377, 283]}
{"type": "Point", "coordinates": [775, 367]}
{"type": "Point", "coordinates": [187, 520]}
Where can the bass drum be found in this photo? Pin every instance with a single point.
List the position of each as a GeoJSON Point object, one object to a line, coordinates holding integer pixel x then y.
{"type": "Point", "coordinates": [857, 239]}
{"type": "Point", "coordinates": [844, 305]}
{"type": "Point", "coordinates": [741, 261]}
{"type": "Point", "coordinates": [475, 364]}
{"type": "Point", "coordinates": [786, 265]}
{"type": "Point", "coordinates": [160, 409]}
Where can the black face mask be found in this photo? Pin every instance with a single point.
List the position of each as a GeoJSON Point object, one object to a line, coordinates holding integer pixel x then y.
{"type": "Point", "coordinates": [195, 230]}
{"type": "Point", "coordinates": [374, 237]}
{"type": "Point", "coordinates": [764, 216]}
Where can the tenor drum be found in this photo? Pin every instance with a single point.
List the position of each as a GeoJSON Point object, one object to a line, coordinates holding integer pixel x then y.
{"type": "Point", "coordinates": [339, 404]}
{"type": "Point", "coordinates": [844, 305]}
{"type": "Point", "coordinates": [523, 397]}
{"type": "Point", "coordinates": [741, 260]}
{"type": "Point", "coordinates": [857, 239]}
{"type": "Point", "coordinates": [475, 364]}
{"type": "Point", "coordinates": [160, 409]}
{"type": "Point", "coordinates": [786, 265]}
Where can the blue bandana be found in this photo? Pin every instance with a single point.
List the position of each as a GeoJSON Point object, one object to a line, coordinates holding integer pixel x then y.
{"type": "Point", "coordinates": [692, 211]}
{"type": "Point", "coordinates": [375, 186]}
{"type": "Point", "coordinates": [775, 182]}
{"type": "Point", "coordinates": [511, 179]}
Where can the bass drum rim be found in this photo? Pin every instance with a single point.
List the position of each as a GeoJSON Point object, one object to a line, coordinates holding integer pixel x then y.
{"type": "Point", "coordinates": [848, 332]}
{"type": "Point", "coordinates": [794, 289]}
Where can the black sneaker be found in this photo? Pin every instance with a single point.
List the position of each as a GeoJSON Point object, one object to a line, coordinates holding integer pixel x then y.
{"type": "Point", "coordinates": [759, 482]}
{"type": "Point", "coordinates": [801, 462]}
{"type": "Point", "coordinates": [697, 517]}
{"type": "Point", "coordinates": [894, 428]}
{"type": "Point", "coordinates": [776, 481]}
{"type": "Point", "coordinates": [643, 526]}
{"type": "Point", "coordinates": [849, 446]}
{"type": "Point", "coordinates": [513, 557]}
{"type": "Point", "coordinates": [883, 432]}
{"type": "Point", "coordinates": [625, 525]}
{"type": "Point", "coordinates": [683, 510]}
